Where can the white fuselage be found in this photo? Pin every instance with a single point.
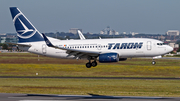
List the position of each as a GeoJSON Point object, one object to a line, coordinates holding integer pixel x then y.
{"type": "Point", "coordinates": [125, 47]}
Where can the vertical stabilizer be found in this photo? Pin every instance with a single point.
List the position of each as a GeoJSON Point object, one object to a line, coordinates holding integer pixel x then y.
{"type": "Point", "coordinates": [26, 32]}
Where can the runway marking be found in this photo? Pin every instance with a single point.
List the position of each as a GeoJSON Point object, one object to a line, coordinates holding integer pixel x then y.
{"type": "Point", "coordinates": [49, 99]}
{"type": "Point", "coordinates": [94, 97]}
{"type": "Point", "coordinates": [42, 100]}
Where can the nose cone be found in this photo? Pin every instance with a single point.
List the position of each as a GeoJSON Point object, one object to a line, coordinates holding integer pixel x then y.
{"type": "Point", "coordinates": [169, 49]}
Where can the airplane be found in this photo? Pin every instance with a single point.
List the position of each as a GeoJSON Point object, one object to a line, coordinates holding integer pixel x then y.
{"type": "Point", "coordinates": [102, 50]}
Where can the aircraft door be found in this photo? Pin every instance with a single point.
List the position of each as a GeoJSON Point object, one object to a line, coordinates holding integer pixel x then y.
{"type": "Point", "coordinates": [149, 46]}
{"type": "Point", "coordinates": [44, 49]}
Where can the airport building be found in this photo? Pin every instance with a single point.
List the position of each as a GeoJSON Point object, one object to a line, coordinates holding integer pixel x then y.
{"type": "Point", "coordinates": [133, 33]}
{"type": "Point", "coordinates": [172, 32]}
{"type": "Point", "coordinates": [74, 30]}
{"type": "Point", "coordinates": [8, 40]}
{"type": "Point", "coordinates": [109, 31]}
{"type": "Point", "coordinates": [174, 46]}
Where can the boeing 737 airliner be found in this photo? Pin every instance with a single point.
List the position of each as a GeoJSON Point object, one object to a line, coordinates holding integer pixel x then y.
{"type": "Point", "coordinates": [102, 50]}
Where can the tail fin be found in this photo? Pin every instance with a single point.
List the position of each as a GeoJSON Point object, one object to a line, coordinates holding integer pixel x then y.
{"type": "Point", "coordinates": [26, 32]}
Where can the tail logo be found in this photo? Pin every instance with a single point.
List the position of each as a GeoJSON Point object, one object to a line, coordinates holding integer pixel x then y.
{"type": "Point", "coordinates": [22, 24]}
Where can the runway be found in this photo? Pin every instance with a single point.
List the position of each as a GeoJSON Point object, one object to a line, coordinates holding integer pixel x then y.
{"type": "Point", "coordinates": [173, 58]}
{"type": "Point", "coordinates": [91, 97]}
{"type": "Point", "coordinates": [170, 58]}
{"type": "Point", "coordinates": [56, 77]}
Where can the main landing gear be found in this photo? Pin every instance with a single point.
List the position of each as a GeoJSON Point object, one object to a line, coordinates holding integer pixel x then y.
{"type": "Point", "coordinates": [89, 64]}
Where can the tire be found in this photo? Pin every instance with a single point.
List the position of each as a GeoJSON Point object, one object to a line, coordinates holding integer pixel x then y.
{"type": "Point", "coordinates": [153, 62]}
{"type": "Point", "coordinates": [94, 63]}
{"type": "Point", "coordinates": [88, 65]}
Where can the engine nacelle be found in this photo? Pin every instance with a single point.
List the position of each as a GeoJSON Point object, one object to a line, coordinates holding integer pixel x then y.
{"type": "Point", "coordinates": [122, 59]}
{"type": "Point", "coordinates": [108, 57]}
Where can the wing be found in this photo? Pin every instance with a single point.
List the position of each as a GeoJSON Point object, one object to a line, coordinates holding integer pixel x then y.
{"type": "Point", "coordinates": [77, 53]}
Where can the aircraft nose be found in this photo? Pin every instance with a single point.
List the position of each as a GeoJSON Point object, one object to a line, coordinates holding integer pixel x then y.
{"type": "Point", "coordinates": [169, 49]}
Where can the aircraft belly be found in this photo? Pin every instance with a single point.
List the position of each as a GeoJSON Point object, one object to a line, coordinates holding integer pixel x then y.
{"type": "Point", "coordinates": [132, 53]}
{"type": "Point", "coordinates": [151, 53]}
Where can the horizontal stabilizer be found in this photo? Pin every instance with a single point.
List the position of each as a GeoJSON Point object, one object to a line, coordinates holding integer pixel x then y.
{"type": "Point", "coordinates": [19, 44]}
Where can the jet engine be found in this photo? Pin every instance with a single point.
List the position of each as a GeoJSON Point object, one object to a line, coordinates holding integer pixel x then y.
{"type": "Point", "coordinates": [108, 57]}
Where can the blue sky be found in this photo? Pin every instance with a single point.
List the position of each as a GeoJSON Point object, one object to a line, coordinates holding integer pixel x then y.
{"type": "Point", "coordinates": [142, 16]}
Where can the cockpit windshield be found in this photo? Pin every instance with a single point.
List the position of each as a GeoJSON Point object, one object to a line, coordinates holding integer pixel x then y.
{"type": "Point", "coordinates": [160, 44]}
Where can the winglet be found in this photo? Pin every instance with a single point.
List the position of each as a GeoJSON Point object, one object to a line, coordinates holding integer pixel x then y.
{"type": "Point", "coordinates": [81, 35]}
{"type": "Point", "coordinates": [47, 41]}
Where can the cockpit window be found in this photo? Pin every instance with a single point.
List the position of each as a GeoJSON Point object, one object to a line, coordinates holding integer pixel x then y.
{"type": "Point", "coordinates": [160, 44]}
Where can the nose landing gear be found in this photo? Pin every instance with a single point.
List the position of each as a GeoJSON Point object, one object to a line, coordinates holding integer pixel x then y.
{"type": "Point", "coordinates": [153, 62]}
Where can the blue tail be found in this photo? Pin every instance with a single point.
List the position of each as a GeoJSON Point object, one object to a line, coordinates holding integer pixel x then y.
{"type": "Point", "coordinates": [26, 32]}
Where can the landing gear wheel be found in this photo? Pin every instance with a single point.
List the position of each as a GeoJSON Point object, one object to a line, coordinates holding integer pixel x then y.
{"type": "Point", "coordinates": [94, 63]}
{"type": "Point", "coordinates": [88, 65]}
{"type": "Point", "coordinates": [153, 62]}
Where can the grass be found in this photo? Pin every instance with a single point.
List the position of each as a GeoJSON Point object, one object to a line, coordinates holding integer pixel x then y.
{"type": "Point", "coordinates": [85, 86]}
{"type": "Point", "coordinates": [78, 70]}
{"type": "Point", "coordinates": [25, 64]}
